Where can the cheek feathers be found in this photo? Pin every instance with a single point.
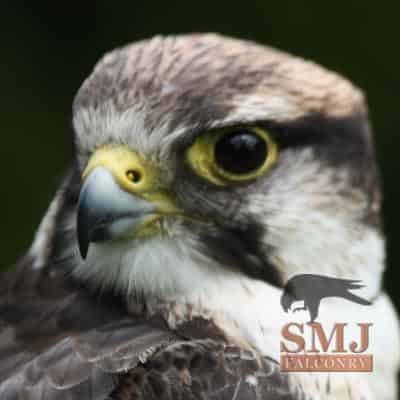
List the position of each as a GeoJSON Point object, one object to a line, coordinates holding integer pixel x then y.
{"type": "Point", "coordinates": [314, 220]}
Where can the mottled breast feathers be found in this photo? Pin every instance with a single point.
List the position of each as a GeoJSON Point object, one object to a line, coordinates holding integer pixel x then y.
{"type": "Point", "coordinates": [59, 341]}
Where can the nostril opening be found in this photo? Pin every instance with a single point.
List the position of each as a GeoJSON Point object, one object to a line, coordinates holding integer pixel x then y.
{"type": "Point", "coordinates": [133, 175]}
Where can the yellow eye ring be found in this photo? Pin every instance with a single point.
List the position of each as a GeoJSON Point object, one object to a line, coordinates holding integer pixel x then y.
{"type": "Point", "coordinates": [232, 155]}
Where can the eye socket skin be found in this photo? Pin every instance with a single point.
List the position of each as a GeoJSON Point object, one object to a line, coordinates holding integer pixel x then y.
{"type": "Point", "coordinates": [232, 155]}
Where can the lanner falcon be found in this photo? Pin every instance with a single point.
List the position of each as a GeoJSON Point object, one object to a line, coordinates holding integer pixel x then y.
{"type": "Point", "coordinates": [208, 171]}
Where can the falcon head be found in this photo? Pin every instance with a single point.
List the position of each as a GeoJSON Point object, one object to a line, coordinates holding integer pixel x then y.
{"type": "Point", "coordinates": [209, 168]}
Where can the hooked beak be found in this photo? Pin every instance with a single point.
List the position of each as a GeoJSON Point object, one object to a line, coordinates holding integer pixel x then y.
{"type": "Point", "coordinates": [113, 206]}
{"type": "Point", "coordinates": [105, 211]}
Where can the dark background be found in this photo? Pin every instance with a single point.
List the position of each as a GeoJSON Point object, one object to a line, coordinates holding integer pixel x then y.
{"type": "Point", "coordinates": [47, 51]}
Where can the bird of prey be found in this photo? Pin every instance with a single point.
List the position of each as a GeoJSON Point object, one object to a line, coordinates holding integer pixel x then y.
{"type": "Point", "coordinates": [311, 289]}
{"type": "Point", "coordinates": [207, 172]}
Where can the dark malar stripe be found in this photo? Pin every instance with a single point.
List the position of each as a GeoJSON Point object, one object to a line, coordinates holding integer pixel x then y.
{"type": "Point", "coordinates": [241, 248]}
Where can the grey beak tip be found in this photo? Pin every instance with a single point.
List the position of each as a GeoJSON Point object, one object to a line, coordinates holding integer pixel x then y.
{"type": "Point", "coordinates": [83, 224]}
{"type": "Point", "coordinates": [83, 240]}
{"type": "Point", "coordinates": [83, 249]}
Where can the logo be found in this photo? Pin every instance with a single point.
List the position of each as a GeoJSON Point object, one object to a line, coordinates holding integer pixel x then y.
{"type": "Point", "coordinates": [339, 346]}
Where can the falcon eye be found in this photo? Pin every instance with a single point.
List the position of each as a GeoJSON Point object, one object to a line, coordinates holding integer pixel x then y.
{"type": "Point", "coordinates": [232, 155]}
{"type": "Point", "coordinates": [241, 152]}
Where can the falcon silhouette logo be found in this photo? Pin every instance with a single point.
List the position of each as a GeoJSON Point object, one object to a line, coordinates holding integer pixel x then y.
{"type": "Point", "coordinates": [311, 289]}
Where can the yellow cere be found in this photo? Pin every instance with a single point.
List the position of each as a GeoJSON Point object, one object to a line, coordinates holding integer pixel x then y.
{"type": "Point", "coordinates": [133, 174]}
{"type": "Point", "coordinates": [201, 156]}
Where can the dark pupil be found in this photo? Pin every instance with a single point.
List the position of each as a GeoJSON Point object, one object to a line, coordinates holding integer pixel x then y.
{"type": "Point", "coordinates": [240, 152]}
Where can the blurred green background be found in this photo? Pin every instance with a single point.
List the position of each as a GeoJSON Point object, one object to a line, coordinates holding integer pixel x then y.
{"type": "Point", "coordinates": [48, 50]}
